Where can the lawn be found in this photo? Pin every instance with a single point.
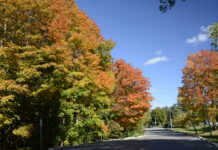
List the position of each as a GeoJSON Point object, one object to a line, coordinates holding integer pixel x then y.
{"type": "Point", "coordinates": [201, 132]}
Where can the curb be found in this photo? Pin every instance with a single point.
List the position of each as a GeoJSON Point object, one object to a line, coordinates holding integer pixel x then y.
{"type": "Point", "coordinates": [212, 143]}
{"type": "Point", "coordinates": [197, 136]}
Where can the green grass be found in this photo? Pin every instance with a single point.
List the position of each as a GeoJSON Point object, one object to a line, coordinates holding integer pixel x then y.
{"type": "Point", "coordinates": [213, 138]}
{"type": "Point", "coordinates": [201, 132]}
{"type": "Point", "coordinates": [134, 133]}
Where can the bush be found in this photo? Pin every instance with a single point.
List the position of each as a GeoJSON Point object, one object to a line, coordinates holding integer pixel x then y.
{"type": "Point", "coordinates": [115, 129]}
{"type": "Point", "coordinates": [181, 120]}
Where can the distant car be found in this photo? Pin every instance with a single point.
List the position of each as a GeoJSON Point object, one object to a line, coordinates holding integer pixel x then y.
{"type": "Point", "coordinates": [150, 126]}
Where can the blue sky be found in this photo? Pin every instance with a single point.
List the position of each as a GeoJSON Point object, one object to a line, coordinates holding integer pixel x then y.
{"type": "Point", "coordinates": [156, 43]}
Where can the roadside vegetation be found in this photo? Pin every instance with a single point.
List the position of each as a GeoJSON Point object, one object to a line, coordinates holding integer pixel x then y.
{"type": "Point", "coordinates": [197, 109]}
{"type": "Point", "coordinates": [201, 132]}
{"type": "Point", "coordinates": [179, 122]}
{"type": "Point", "coordinates": [60, 86]}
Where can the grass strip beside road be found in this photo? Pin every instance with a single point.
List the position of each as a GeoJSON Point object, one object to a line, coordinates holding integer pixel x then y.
{"type": "Point", "coordinates": [201, 133]}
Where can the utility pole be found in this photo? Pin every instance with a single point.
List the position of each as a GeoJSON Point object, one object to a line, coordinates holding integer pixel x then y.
{"type": "Point", "coordinates": [206, 107]}
{"type": "Point", "coordinates": [208, 120]}
{"type": "Point", "coordinates": [155, 121]}
{"type": "Point", "coordinates": [170, 121]}
{"type": "Point", "coordinates": [40, 124]}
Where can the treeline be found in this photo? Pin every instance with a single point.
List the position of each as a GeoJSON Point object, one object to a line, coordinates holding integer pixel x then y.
{"type": "Point", "coordinates": [56, 67]}
{"type": "Point", "coordinates": [198, 96]}
{"type": "Point", "coordinates": [199, 92]}
{"type": "Point", "coordinates": [166, 116]}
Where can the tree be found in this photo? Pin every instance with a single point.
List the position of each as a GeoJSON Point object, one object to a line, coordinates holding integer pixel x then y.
{"type": "Point", "coordinates": [176, 110]}
{"type": "Point", "coordinates": [24, 22]}
{"type": "Point", "coordinates": [33, 74]}
{"type": "Point", "coordinates": [186, 119]}
{"type": "Point", "coordinates": [87, 109]}
{"type": "Point", "coordinates": [158, 116]}
{"type": "Point", "coordinates": [55, 66]}
{"type": "Point", "coordinates": [199, 90]}
{"type": "Point", "coordinates": [131, 95]}
{"type": "Point", "coordinates": [181, 120]}
{"type": "Point", "coordinates": [213, 31]}
{"type": "Point", "coordinates": [167, 4]}
{"type": "Point", "coordinates": [41, 75]}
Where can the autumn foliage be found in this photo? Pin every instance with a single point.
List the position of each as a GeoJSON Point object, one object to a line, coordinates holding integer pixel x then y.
{"type": "Point", "coordinates": [199, 92]}
{"type": "Point", "coordinates": [56, 66]}
{"type": "Point", "coordinates": [131, 94]}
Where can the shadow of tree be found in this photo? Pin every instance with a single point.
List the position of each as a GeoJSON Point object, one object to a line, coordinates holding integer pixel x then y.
{"type": "Point", "coordinates": [144, 144]}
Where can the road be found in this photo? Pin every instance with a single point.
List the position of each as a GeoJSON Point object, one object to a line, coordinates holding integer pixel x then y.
{"type": "Point", "coordinates": [154, 139]}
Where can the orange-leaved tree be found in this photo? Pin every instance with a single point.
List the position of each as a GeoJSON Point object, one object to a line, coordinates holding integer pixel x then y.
{"type": "Point", "coordinates": [86, 103]}
{"type": "Point", "coordinates": [55, 67]}
{"type": "Point", "coordinates": [131, 95]}
{"type": "Point", "coordinates": [199, 92]}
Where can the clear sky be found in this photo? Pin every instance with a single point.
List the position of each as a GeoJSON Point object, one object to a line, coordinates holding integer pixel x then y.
{"type": "Point", "coordinates": [156, 43]}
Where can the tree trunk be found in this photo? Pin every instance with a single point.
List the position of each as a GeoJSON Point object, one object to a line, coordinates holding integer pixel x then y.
{"type": "Point", "coordinates": [204, 124]}
{"type": "Point", "coordinates": [62, 141]}
{"type": "Point", "coordinates": [196, 132]}
{"type": "Point", "coordinates": [214, 125]}
{"type": "Point", "coordinates": [209, 128]}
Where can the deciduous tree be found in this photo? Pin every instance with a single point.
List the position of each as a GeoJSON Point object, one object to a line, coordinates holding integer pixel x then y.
{"type": "Point", "coordinates": [213, 31]}
{"type": "Point", "coordinates": [199, 90]}
{"type": "Point", "coordinates": [131, 94]}
{"type": "Point", "coordinates": [158, 116]}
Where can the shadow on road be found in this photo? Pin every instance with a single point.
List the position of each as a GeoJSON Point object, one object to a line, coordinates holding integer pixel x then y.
{"type": "Point", "coordinates": [145, 144]}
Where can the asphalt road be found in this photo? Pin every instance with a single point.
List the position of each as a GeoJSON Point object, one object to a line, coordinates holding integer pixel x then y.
{"type": "Point", "coordinates": [154, 139]}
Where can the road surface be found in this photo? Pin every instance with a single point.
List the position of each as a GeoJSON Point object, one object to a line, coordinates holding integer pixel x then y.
{"type": "Point", "coordinates": [154, 139]}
